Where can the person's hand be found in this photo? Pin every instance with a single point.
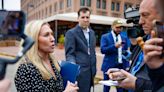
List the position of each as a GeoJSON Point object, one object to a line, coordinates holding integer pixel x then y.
{"type": "Point", "coordinates": [5, 85]}
{"type": "Point", "coordinates": [128, 80]}
{"type": "Point", "coordinates": [71, 87]}
{"type": "Point", "coordinates": [115, 74]}
{"type": "Point", "coordinates": [152, 52]}
{"type": "Point", "coordinates": [118, 44]}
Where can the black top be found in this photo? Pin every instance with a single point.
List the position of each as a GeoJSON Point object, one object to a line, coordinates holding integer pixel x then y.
{"type": "Point", "coordinates": [143, 82]}
{"type": "Point", "coordinates": [29, 79]}
{"type": "Point", "coordinates": [157, 79]}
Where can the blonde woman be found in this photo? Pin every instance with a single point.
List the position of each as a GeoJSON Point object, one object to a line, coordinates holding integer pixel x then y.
{"type": "Point", "coordinates": [39, 71]}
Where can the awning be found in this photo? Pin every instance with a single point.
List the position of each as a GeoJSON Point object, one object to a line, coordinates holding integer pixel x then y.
{"type": "Point", "coordinates": [96, 19]}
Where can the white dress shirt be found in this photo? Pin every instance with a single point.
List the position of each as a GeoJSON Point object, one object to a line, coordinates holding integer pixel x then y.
{"type": "Point", "coordinates": [86, 34]}
{"type": "Point", "coordinates": [120, 48]}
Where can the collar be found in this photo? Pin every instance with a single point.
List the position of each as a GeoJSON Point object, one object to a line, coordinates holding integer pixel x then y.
{"type": "Point", "coordinates": [86, 30]}
{"type": "Point", "coordinates": [114, 33]}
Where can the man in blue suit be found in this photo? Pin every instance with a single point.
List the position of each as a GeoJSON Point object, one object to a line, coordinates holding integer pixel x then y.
{"type": "Point", "coordinates": [113, 45]}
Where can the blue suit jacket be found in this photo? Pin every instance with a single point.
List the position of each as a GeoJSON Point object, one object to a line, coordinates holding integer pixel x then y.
{"type": "Point", "coordinates": [108, 48]}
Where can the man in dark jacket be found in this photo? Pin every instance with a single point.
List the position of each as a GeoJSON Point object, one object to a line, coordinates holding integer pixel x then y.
{"type": "Point", "coordinates": [80, 43]}
{"type": "Point", "coordinates": [139, 80]}
{"type": "Point", "coordinates": [153, 52]}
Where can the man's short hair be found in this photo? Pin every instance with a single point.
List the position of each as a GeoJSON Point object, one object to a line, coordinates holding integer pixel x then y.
{"type": "Point", "coordinates": [84, 10]}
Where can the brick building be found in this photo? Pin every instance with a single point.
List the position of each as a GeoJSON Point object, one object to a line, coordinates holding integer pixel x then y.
{"type": "Point", "coordinates": [47, 9]}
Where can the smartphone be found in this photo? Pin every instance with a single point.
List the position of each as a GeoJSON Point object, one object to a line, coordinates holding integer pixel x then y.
{"type": "Point", "coordinates": [118, 78]}
{"type": "Point", "coordinates": [159, 30]}
{"type": "Point", "coordinates": [122, 42]}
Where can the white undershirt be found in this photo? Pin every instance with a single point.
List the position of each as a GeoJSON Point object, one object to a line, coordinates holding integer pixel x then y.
{"type": "Point", "coordinates": [86, 34]}
{"type": "Point", "coordinates": [120, 48]}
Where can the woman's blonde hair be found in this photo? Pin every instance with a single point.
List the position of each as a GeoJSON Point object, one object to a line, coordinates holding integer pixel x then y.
{"type": "Point", "coordinates": [32, 29]}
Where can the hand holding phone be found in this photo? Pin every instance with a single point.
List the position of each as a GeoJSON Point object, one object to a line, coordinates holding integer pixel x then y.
{"type": "Point", "coordinates": [126, 79]}
{"type": "Point", "coordinates": [159, 32]}
{"type": "Point", "coordinates": [115, 74]}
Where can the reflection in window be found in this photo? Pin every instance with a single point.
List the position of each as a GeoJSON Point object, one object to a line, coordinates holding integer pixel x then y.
{"type": "Point", "coordinates": [89, 3]}
{"type": "Point", "coordinates": [82, 2]}
{"type": "Point", "coordinates": [69, 2]}
{"type": "Point", "coordinates": [104, 4]}
{"type": "Point", "coordinates": [113, 6]}
{"type": "Point", "coordinates": [98, 3]}
{"type": "Point", "coordinates": [118, 7]}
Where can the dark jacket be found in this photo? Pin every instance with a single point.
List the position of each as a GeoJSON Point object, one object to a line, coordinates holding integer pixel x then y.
{"type": "Point", "coordinates": [143, 82]}
{"type": "Point", "coordinates": [157, 78]}
{"type": "Point", "coordinates": [76, 51]}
